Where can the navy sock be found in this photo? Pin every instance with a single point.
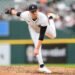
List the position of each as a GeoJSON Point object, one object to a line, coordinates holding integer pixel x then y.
{"type": "Point", "coordinates": [42, 65]}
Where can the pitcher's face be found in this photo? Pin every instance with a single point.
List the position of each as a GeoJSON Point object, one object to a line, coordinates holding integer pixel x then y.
{"type": "Point", "coordinates": [34, 14]}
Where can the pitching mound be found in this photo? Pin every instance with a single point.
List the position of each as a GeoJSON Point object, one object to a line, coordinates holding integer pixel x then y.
{"type": "Point", "coordinates": [32, 70]}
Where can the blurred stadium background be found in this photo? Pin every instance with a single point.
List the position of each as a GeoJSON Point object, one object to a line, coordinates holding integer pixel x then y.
{"type": "Point", "coordinates": [16, 46]}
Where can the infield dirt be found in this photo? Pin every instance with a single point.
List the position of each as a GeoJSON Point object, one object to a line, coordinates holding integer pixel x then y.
{"type": "Point", "coordinates": [32, 70]}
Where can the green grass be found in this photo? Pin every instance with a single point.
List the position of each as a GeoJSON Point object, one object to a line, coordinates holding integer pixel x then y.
{"type": "Point", "coordinates": [62, 65]}
{"type": "Point", "coordinates": [51, 65]}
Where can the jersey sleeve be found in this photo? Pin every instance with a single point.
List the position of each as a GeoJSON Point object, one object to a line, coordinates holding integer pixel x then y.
{"type": "Point", "coordinates": [23, 15]}
{"type": "Point", "coordinates": [44, 20]}
{"type": "Point", "coordinates": [42, 32]}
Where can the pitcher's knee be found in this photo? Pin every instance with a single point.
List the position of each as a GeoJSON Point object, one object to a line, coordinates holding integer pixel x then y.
{"type": "Point", "coordinates": [54, 36]}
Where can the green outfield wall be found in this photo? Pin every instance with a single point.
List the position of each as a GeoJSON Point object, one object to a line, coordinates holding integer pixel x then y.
{"type": "Point", "coordinates": [19, 30]}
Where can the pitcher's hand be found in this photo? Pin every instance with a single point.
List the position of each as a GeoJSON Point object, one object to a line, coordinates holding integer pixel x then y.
{"type": "Point", "coordinates": [36, 52]}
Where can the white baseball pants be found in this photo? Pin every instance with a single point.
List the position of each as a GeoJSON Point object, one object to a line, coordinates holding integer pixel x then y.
{"type": "Point", "coordinates": [35, 36]}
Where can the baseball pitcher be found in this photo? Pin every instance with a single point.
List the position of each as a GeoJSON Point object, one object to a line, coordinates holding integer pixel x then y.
{"type": "Point", "coordinates": [39, 25]}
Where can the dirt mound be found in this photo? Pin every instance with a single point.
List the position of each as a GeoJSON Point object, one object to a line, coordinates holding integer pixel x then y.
{"type": "Point", "coordinates": [32, 70]}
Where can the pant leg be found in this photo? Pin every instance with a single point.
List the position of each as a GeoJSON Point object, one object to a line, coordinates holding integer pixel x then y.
{"type": "Point", "coordinates": [51, 28]}
{"type": "Point", "coordinates": [35, 36]}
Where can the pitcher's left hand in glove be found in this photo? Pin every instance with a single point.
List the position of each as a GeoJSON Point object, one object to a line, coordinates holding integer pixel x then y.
{"type": "Point", "coordinates": [8, 11]}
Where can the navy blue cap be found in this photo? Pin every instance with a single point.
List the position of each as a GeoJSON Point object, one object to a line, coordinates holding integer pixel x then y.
{"type": "Point", "coordinates": [33, 7]}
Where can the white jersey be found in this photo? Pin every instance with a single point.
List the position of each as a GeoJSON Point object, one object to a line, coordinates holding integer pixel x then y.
{"type": "Point", "coordinates": [42, 20]}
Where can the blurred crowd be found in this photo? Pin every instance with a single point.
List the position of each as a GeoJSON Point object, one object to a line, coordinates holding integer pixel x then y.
{"type": "Point", "coordinates": [65, 12]}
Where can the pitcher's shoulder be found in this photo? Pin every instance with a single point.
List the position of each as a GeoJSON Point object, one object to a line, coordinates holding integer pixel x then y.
{"type": "Point", "coordinates": [25, 12]}
{"type": "Point", "coordinates": [40, 14]}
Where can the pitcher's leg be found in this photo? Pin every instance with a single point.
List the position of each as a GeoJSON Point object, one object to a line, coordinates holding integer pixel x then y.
{"type": "Point", "coordinates": [39, 57]}
{"type": "Point", "coordinates": [42, 68]}
{"type": "Point", "coordinates": [51, 28]}
{"type": "Point", "coordinates": [35, 36]}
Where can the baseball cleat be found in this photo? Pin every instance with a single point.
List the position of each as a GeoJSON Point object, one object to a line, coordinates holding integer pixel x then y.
{"type": "Point", "coordinates": [44, 70]}
{"type": "Point", "coordinates": [53, 16]}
